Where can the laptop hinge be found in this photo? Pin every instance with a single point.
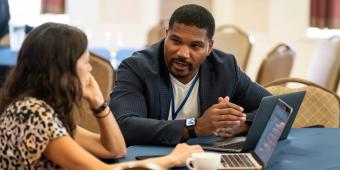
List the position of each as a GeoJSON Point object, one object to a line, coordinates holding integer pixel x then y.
{"type": "Point", "coordinates": [258, 159]}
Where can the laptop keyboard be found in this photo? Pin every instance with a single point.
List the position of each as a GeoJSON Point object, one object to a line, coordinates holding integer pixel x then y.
{"type": "Point", "coordinates": [236, 160]}
{"type": "Point", "coordinates": [236, 145]}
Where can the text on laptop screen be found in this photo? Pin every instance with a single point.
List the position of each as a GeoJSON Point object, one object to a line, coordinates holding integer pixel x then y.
{"type": "Point", "coordinates": [272, 132]}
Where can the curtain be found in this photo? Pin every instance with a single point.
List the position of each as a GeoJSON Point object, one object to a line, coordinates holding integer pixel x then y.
{"type": "Point", "coordinates": [325, 14]}
{"type": "Point", "coordinates": [53, 6]}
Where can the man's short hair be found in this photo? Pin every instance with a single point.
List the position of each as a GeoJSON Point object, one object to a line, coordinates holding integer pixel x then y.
{"type": "Point", "coordinates": [194, 15]}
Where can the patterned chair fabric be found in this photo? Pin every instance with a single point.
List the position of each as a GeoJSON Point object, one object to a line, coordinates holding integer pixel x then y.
{"type": "Point", "coordinates": [319, 107]}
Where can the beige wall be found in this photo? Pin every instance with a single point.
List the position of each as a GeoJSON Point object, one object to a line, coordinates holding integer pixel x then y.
{"type": "Point", "coordinates": [168, 6]}
{"type": "Point", "coordinates": [114, 23]}
{"type": "Point", "coordinates": [270, 22]}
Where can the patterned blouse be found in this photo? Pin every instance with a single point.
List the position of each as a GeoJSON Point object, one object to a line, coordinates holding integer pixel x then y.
{"type": "Point", "coordinates": [26, 127]}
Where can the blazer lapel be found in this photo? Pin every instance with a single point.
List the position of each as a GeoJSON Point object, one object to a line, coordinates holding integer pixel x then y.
{"type": "Point", "coordinates": [206, 92]}
{"type": "Point", "coordinates": [164, 97]}
{"type": "Point", "coordinates": [164, 87]}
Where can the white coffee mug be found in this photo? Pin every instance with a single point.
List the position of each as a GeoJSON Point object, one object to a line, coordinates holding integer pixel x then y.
{"type": "Point", "coordinates": [204, 161]}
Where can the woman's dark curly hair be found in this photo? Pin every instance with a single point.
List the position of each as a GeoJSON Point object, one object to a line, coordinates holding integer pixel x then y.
{"type": "Point", "coordinates": [46, 69]}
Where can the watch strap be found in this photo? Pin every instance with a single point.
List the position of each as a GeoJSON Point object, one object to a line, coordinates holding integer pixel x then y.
{"type": "Point", "coordinates": [191, 130]}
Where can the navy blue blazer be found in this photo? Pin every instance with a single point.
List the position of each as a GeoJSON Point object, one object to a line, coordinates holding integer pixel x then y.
{"type": "Point", "coordinates": [141, 97]}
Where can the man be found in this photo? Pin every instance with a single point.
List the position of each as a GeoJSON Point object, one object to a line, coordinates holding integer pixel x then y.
{"type": "Point", "coordinates": [181, 88]}
{"type": "Point", "coordinates": [4, 19]}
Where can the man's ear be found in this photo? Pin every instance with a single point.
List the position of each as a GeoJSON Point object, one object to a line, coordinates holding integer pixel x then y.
{"type": "Point", "coordinates": [167, 31]}
{"type": "Point", "coordinates": [211, 45]}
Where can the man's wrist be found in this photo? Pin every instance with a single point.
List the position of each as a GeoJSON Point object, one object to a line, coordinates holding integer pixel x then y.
{"type": "Point", "coordinates": [191, 130]}
{"type": "Point", "coordinates": [185, 135]}
{"type": "Point", "coordinates": [190, 124]}
{"type": "Point", "coordinates": [244, 127]}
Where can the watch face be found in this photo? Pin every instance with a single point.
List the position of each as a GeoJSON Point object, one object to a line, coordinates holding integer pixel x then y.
{"type": "Point", "coordinates": [191, 122]}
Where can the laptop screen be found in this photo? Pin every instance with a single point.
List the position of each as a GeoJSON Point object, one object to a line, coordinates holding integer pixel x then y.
{"type": "Point", "coordinates": [270, 136]}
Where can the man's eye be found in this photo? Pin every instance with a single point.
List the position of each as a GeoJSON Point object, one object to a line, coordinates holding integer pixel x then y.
{"type": "Point", "coordinates": [176, 41]}
{"type": "Point", "coordinates": [196, 46]}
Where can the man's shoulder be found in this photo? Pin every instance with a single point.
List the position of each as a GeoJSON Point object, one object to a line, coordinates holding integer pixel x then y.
{"type": "Point", "coordinates": [146, 59]}
{"type": "Point", "coordinates": [218, 57]}
{"type": "Point", "coordinates": [221, 56]}
{"type": "Point", "coordinates": [150, 53]}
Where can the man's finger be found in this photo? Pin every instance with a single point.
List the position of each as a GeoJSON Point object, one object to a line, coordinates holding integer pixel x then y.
{"type": "Point", "coordinates": [223, 99]}
{"type": "Point", "coordinates": [225, 123]}
{"type": "Point", "coordinates": [230, 117]}
{"type": "Point", "coordinates": [230, 111]}
{"type": "Point", "coordinates": [232, 105]}
{"type": "Point", "coordinates": [224, 132]}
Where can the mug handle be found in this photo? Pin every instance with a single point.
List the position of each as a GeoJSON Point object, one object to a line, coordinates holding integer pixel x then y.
{"type": "Point", "coordinates": [189, 163]}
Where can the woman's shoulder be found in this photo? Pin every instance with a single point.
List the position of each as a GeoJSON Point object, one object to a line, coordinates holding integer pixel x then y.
{"type": "Point", "coordinates": [28, 125]}
{"type": "Point", "coordinates": [35, 114]}
{"type": "Point", "coordinates": [31, 104]}
{"type": "Point", "coordinates": [31, 101]}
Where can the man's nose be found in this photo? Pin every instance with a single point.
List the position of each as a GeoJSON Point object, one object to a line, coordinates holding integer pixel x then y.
{"type": "Point", "coordinates": [183, 51]}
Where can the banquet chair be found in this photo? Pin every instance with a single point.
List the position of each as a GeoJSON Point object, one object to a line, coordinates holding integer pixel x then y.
{"type": "Point", "coordinates": [320, 106]}
{"type": "Point", "coordinates": [104, 74]}
{"type": "Point", "coordinates": [156, 33]}
{"type": "Point", "coordinates": [4, 41]}
{"type": "Point", "coordinates": [277, 64]}
{"type": "Point", "coordinates": [324, 68]}
{"type": "Point", "coordinates": [231, 39]}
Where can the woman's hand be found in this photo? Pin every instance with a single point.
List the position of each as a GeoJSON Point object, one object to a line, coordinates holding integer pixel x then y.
{"type": "Point", "coordinates": [92, 93]}
{"type": "Point", "coordinates": [177, 157]}
{"type": "Point", "coordinates": [182, 152]}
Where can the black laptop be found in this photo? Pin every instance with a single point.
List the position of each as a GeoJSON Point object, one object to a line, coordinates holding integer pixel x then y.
{"type": "Point", "coordinates": [248, 143]}
{"type": "Point", "coordinates": [259, 158]}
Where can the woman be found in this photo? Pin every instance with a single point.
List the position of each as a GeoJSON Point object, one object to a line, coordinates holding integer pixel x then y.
{"type": "Point", "coordinates": [37, 130]}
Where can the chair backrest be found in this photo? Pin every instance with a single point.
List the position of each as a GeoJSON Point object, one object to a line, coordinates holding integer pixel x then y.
{"type": "Point", "coordinates": [231, 39]}
{"type": "Point", "coordinates": [277, 64]}
{"type": "Point", "coordinates": [4, 41]}
{"type": "Point", "coordinates": [324, 68]}
{"type": "Point", "coordinates": [104, 74]}
{"type": "Point", "coordinates": [156, 33]}
{"type": "Point", "coordinates": [320, 106]}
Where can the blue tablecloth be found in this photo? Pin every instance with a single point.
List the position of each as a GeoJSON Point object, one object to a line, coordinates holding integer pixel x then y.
{"type": "Point", "coordinates": [8, 57]}
{"type": "Point", "coordinates": [305, 148]}
{"type": "Point", "coordinates": [120, 55]}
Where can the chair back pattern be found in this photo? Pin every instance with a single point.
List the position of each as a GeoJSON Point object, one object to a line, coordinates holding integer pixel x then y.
{"type": "Point", "coordinates": [320, 106]}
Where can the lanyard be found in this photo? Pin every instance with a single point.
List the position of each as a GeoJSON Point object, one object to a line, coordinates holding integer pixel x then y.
{"type": "Point", "coordinates": [175, 113]}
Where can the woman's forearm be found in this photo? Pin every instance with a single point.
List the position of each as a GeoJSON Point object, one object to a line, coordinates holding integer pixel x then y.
{"type": "Point", "coordinates": [110, 135]}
